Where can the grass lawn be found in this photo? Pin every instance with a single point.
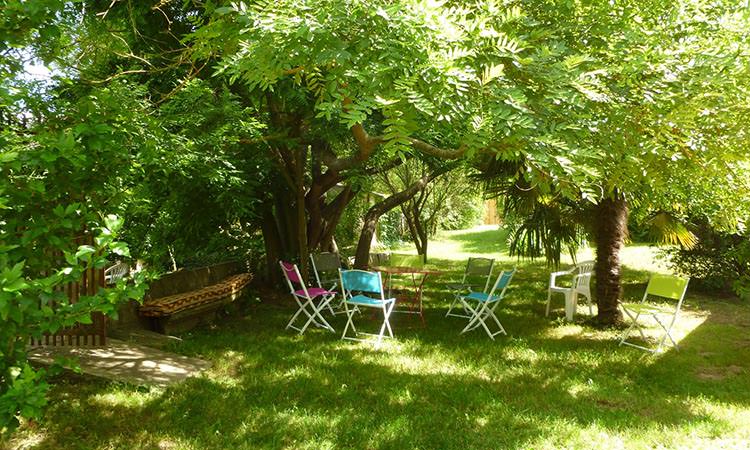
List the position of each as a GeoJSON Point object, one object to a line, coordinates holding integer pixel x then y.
{"type": "Point", "coordinates": [548, 384]}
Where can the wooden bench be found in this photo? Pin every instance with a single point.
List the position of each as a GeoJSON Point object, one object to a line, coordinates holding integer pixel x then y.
{"type": "Point", "coordinates": [180, 300]}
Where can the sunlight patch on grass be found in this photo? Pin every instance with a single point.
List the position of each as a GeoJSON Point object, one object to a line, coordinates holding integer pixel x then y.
{"type": "Point", "coordinates": [491, 241]}
{"type": "Point", "coordinates": [26, 440]}
{"type": "Point", "coordinates": [130, 400]}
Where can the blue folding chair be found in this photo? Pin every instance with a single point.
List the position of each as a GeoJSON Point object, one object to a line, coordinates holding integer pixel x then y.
{"type": "Point", "coordinates": [355, 284]}
{"type": "Point", "coordinates": [481, 305]}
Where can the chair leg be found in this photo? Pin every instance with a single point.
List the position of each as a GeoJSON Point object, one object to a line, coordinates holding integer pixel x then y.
{"type": "Point", "coordinates": [302, 309]}
{"type": "Point", "coordinates": [634, 324]}
{"type": "Point", "coordinates": [549, 299]}
{"type": "Point", "coordinates": [349, 315]}
{"type": "Point", "coordinates": [387, 309]}
{"type": "Point", "coordinates": [497, 321]}
{"type": "Point", "coordinates": [571, 297]}
{"type": "Point", "coordinates": [456, 299]}
{"type": "Point", "coordinates": [667, 333]}
{"type": "Point", "coordinates": [474, 317]}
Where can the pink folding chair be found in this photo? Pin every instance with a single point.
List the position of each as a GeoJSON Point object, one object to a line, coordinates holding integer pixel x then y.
{"type": "Point", "coordinates": [305, 298]}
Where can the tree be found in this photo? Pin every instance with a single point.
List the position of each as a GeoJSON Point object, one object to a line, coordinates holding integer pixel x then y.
{"type": "Point", "coordinates": [347, 88]}
{"type": "Point", "coordinates": [657, 131]}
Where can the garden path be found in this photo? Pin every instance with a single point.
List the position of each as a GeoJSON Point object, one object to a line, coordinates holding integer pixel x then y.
{"type": "Point", "coordinates": [126, 362]}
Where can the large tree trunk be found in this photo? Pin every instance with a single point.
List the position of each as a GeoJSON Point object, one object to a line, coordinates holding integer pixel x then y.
{"type": "Point", "coordinates": [611, 231]}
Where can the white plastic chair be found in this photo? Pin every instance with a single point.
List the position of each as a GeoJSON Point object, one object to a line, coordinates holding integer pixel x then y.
{"type": "Point", "coordinates": [304, 297]}
{"type": "Point", "coordinates": [354, 285]}
{"type": "Point", "coordinates": [664, 286]}
{"type": "Point", "coordinates": [580, 285]}
{"type": "Point", "coordinates": [475, 268]}
{"type": "Point", "coordinates": [116, 272]}
{"type": "Point", "coordinates": [486, 302]}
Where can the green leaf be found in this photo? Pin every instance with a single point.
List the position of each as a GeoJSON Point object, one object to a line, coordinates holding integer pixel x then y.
{"type": "Point", "coordinates": [84, 252]}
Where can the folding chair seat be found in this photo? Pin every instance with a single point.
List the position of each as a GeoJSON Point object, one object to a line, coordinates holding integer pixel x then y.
{"type": "Point", "coordinates": [580, 285]}
{"type": "Point", "coordinates": [305, 298]}
{"type": "Point", "coordinates": [478, 274]}
{"type": "Point", "coordinates": [481, 305]}
{"type": "Point", "coordinates": [326, 267]}
{"type": "Point", "coordinates": [664, 286]}
{"type": "Point", "coordinates": [355, 284]}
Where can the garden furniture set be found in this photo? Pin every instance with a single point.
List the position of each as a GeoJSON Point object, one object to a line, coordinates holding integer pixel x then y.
{"type": "Point", "coordinates": [475, 297]}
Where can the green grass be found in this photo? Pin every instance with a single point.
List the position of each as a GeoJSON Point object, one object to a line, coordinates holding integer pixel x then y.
{"type": "Point", "coordinates": [548, 384]}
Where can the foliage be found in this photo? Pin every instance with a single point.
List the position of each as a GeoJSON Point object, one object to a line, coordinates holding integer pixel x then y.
{"type": "Point", "coordinates": [362, 85]}
{"type": "Point", "coordinates": [54, 189]}
{"type": "Point", "coordinates": [659, 126]}
{"type": "Point", "coordinates": [63, 160]}
{"type": "Point", "coordinates": [719, 262]}
{"type": "Point", "coordinates": [423, 214]}
{"type": "Point", "coordinates": [197, 195]}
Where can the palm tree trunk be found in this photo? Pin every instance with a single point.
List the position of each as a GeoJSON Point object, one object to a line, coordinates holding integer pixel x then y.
{"type": "Point", "coordinates": [611, 231]}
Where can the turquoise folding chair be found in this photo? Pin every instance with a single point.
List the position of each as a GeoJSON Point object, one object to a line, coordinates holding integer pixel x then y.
{"type": "Point", "coordinates": [481, 305]}
{"type": "Point", "coordinates": [355, 284]}
{"type": "Point", "coordinates": [664, 286]}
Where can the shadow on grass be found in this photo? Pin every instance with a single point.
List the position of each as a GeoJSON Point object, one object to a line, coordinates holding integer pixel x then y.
{"type": "Point", "coordinates": [544, 384]}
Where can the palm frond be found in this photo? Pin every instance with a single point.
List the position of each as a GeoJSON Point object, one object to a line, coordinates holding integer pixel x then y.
{"type": "Point", "coordinates": [666, 228]}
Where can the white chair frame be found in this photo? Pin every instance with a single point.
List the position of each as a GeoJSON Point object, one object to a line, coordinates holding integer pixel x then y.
{"type": "Point", "coordinates": [461, 288]}
{"type": "Point", "coordinates": [581, 285]}
{"type": "Point", "coordinates": [305, 302]}
{"type": "Point", "coordinates": [356, 301]}
{"type": "Point", "coordinates": [116, 272]}
{"type": "Point", "coordinates": [486, 303]}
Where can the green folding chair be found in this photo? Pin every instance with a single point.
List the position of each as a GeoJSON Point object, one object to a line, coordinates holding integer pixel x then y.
{"type": "Point", "coordinates": [667, 287]}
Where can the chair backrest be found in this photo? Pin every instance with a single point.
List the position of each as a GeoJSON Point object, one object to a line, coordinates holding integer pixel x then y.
{"type": "Point", "coordinates": [360, 280]}
{"type": "Point", "coordinates": [479, 267]}
{"type": "Point", "coordinates": [667, 286]}
{"type": "Point", "coordinates": [292, 277]}
{"type": "Point", "coordinates": [584, 270]}
{"type": "Point", "coordinates": [324, 262]}
{"type": "Point", "coordinates": [379, 259]}
{"type": "Point", "coordinates": [501, 283]}
{"type": "Point", "coordinates": [406, 260]}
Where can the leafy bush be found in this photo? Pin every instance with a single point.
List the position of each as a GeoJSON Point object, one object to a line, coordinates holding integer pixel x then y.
{"type": "Point", "coordinates": [719, 261]}
{"type": "Point", "coordinates": [198, 197]}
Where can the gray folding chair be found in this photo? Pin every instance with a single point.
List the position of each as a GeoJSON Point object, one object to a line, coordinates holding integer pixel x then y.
{"type": "Point", "coordinates": [478, 274]}
{"type": "Point", "coordinates": [326, 267]}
